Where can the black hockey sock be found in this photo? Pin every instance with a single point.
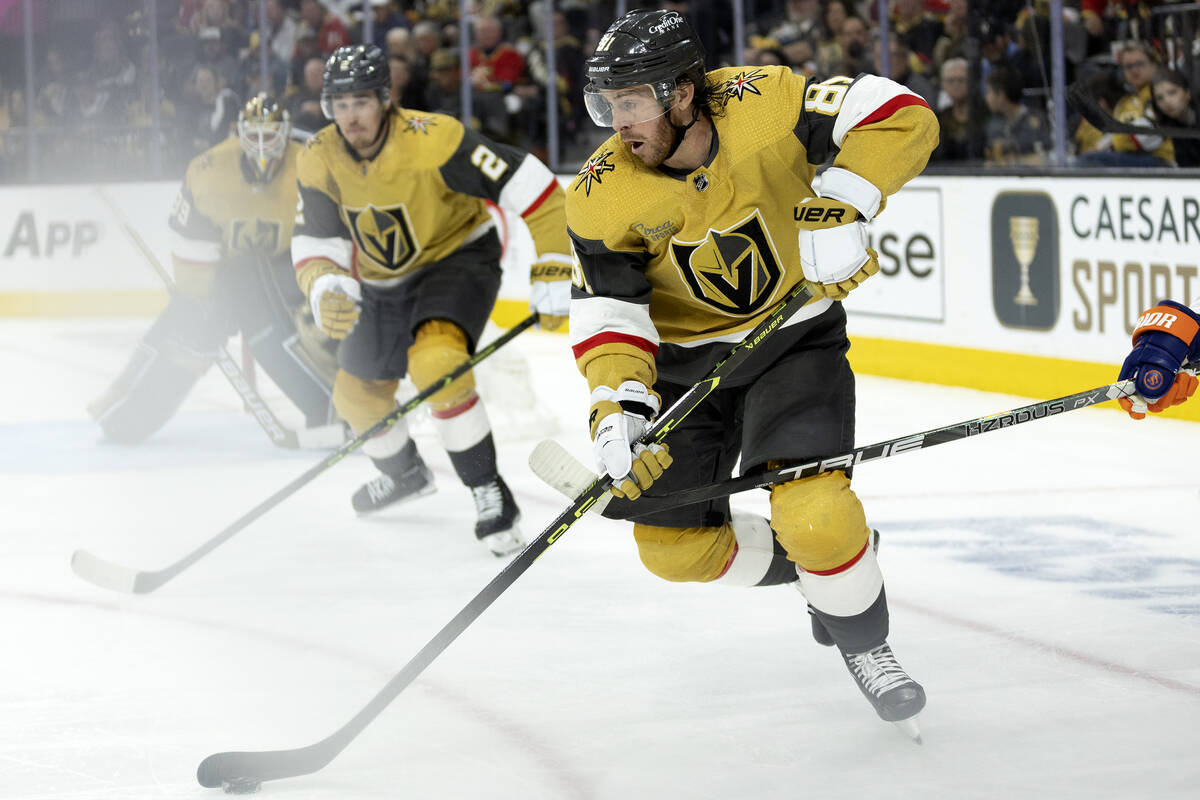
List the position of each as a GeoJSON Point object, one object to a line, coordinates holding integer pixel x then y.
{"type": "Point", "coordinates": [861, 632]}
{"type": "Point", "coordinates": [782, 570]}
{"type": "Point", "coordinates": [477, 464]}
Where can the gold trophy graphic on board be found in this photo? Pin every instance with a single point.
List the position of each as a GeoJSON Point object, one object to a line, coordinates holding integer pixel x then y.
{"type": "Point", "coordinates": [1023, 233]}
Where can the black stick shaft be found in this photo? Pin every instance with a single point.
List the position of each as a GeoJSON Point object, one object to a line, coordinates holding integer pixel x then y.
{"type": "Point", "coordinates": [271, 765]}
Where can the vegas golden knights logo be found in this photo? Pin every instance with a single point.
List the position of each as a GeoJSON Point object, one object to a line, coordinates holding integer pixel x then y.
{"type": "Point", "coordinates": [735, 270]}
{"type": "Point", "coordinates": [384, 235]}
{"type": "Point", "coordinates": [256, 234]}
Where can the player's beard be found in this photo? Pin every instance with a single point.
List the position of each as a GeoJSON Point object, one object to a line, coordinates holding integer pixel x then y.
{"type": "Point", "coordinates": [657, 143]}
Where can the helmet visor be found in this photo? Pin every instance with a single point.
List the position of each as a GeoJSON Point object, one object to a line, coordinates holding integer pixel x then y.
{"type": "Point", "coordinates": [616, 108]}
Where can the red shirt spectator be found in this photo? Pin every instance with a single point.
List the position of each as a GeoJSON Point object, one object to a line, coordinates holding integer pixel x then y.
{"type": "Point", "coordinates": [329, 30]}
{"type": "Point", "coordinates": [494, 64]}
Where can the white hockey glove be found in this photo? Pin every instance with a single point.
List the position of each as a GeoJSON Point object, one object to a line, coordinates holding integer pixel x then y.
{"type": "Point", "coordinates": [619, 417]}
{"type": "Point", "coordinates": [335, 299]}
{"type": "Point", "coordinates": [550, 291]}
{"type": "Point", "coordinates": [833, 234]}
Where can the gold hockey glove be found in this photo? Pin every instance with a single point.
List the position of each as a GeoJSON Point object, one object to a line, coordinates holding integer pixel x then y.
{"type": "Point", "coordinates": [833, 247]}
{"type": "Point", "coordinates": [335, 299]}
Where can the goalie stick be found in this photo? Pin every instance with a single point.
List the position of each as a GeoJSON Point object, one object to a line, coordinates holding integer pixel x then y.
{"type": "Point", "coordinates": [122, 579]}
{"type": "Point", "coordinates": [563, 472]}
{"type": "Point", "coordinates": [258, 408]}
{"type": "Point", "coordinates": [235, 769]}
{"type": "Point", "coordinates": [1090, 109]}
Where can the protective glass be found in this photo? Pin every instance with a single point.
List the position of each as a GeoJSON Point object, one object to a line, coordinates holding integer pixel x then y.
{"type": "Point", "coordinates": [263, 141]}
{"type": "Point", "coordinates": [615, 108]}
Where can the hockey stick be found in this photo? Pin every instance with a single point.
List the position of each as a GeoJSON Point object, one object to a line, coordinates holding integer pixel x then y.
{"type": "Point", "coordinates": [1090, 109]}
{"type": "Point", "coordinates": [244, 770]}
{"type": "Point", "coordinates": [279, 433]}
{"type": "Point", "coordinates": [562, 471]}
{"type": "Point", "coordinates": [122, 579]}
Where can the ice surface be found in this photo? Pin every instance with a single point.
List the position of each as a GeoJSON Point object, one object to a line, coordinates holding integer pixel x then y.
{"type": "Point", "coordinates": [1044, 583]}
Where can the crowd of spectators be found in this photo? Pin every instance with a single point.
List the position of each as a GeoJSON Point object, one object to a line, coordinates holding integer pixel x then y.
{"type": "Point", "coordinates": [102, 105]}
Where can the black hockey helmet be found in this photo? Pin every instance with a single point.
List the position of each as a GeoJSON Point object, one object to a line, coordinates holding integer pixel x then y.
{"type": "Point", "coordinates": [653, 48]}
{"type": "Point", "coordinates": [352, 69]}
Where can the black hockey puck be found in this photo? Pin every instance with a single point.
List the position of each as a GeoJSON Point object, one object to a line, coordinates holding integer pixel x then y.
{"type": "Point", "coordinates": [240, 786]}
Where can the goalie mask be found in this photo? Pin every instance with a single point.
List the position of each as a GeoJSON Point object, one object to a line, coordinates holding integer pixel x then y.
{"type": "Point", "coordinates": [632, 77]}
{"type": "Point", "coordinates": [263, 128]}
{"type": "Point", "coordinates": [353, 69]}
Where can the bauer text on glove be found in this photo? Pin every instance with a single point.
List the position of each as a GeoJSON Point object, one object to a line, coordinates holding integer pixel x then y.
{"type": "Point", "coordinates": [550, 291]}
{"type": "Point", "coordinates": [1165, 338]}
{"type": "Point", "coordinates": [619, 418]}
{"type": "Point", "coordinates": [833, 247]}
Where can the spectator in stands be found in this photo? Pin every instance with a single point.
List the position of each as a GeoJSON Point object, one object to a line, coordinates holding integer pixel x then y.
{"type": "Point", "coordinates": [801, 22]}
{"type": "Point", "coordinates": [404, 92]}
{"type": "Point", "coordinates": [829, 55]}
{"type": "Point", "coordinates": [854, 39]}
{"type": "Point", "coordinates": [216, 56]}
{"type": "Point", "coordinates": [1104, 87]}
{"type": "Point", "coordinates": [54, 95]}
{"type": "Point", "coordinates": [305, 105]}
{"type": "Point", "coordinates": [248, 81]}
{"type": "Point", "coordinates": [399, 42]}
{"type": "Point", "coordinates": [1015, 133]}
{"type": "Point", "coordinates": [918, 30]}
{"type": "Point", "coordinates": [442, 95]}
{"type": "Point", "coordinates": [1137, 60]}
{"type": "Point", "coordinates": [386, 18]}
{"type": "Point", "coordinates": [953, 41]}
{"type": "Point", "coordinates": [769, 56]}
{"type": "Point", "coordinates": [1173, 107]}
{"type": "Point", "coordinates": [282, 31]}
{"type": "Point", "coordinates": [495, 64]}
{"type": "Point", "coordinates": [111, 72]}
{"type": "Point", "coordinates": [963, 137]}
{"type": "Point", "coordinates": [216, 14]}
{"type": "Point", "coordinates": [900, 66]}
{"type": "Point", "coordinates": [316, 21]}
{"type": "Point", "coordinates": [208, 112]}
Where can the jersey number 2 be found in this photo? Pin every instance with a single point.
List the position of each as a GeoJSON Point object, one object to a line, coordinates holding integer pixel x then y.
{"type": "Point", "coordinates": [488, 162]}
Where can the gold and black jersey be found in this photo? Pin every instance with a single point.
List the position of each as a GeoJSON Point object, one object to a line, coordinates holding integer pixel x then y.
{"type": "Point", "coordinates": [671, 264]}
{"type": "Point", "coordinates": [220, 214]}
{"type": "Point", "coordinates": [419, 199]}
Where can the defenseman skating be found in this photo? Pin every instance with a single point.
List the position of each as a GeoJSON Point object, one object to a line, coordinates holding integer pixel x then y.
{"type": "Point", "coordinates": [399, 258]}
{"type": "Point", "coordinates": [689, 223]}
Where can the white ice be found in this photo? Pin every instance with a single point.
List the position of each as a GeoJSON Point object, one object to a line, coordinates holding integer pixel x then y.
{"type": "Point", "coordinates": [1044, 583]}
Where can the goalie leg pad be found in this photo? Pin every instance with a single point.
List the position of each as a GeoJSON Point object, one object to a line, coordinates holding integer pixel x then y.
{"type": "Point", "coordinates": [819, 520]}
{"type": "Point", "coordinates": [439, 347]}
{"type": "Point", "coordinates": [685, 554]}
{"type": "Point", "coordinates": [363, 402]}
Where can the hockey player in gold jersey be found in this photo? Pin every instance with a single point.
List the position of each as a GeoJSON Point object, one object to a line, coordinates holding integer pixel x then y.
{"type": "Point", "coordinates": [689, 224]}
{"type": "Point", "coordinates": [231, 233]}
{"type": "Point", "coordinates": [399, 257]}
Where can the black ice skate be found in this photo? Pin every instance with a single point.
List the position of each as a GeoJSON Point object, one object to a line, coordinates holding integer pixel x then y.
{"type": "Point", "coordinates": [896, 697]}
{"type": "Point", "coordinates": [498, 516]}
{"type": "Point", "coordinates": [385, 490]}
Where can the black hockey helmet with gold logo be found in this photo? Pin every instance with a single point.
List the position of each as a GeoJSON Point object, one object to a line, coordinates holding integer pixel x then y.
{"type": "Point", "coordinates": [653, 48]}
{"type": "Point", "coordinates": [352, 69]}
{"type": "Point", "coordinates": [263, 128]}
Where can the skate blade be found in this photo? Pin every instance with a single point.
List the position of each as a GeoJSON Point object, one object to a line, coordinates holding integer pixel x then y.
{"type": "Point", "coordinates": [910, 728]}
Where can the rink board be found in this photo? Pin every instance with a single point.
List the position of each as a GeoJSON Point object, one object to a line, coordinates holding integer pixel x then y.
{"type": "Point", "coordinates": [1025, 285]}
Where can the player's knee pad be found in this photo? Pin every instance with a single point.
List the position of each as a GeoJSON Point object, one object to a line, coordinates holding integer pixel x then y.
{"type": "Point", "coordinates": [819, 520]}
{"type": "Point", "coordinates": [439, 347]}
{"type": "Point", "coordinates": [362, 402]}
{"type": "Point", "coordinates": [685, 554]}
{"type": "Point", "coordinates": [148, 391]}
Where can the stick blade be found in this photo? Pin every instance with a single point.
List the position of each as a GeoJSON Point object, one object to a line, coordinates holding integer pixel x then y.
{"type": "Point", "coordinates": [233, 767]}
{"type": "Point", "coordinates": [562, 472]}
{"type": "Point", "coordinates": [105, 574]}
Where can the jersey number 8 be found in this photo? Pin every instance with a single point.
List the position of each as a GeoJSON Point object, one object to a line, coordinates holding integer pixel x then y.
{"type": "Point", "coordinates": [488, 162]}
{"type": "Point", "coordinates": [826, 98]}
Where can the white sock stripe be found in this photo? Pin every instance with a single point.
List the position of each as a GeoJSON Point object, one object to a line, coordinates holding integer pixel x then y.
{"type": "Point", "coordinates": [846, 593]}
{"type": "Point", "coordinates": [465, 430]}
{"type": "Point", "coordinates": [389, 442]}
{"type": "Point", "coordinates": [756, 551]}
